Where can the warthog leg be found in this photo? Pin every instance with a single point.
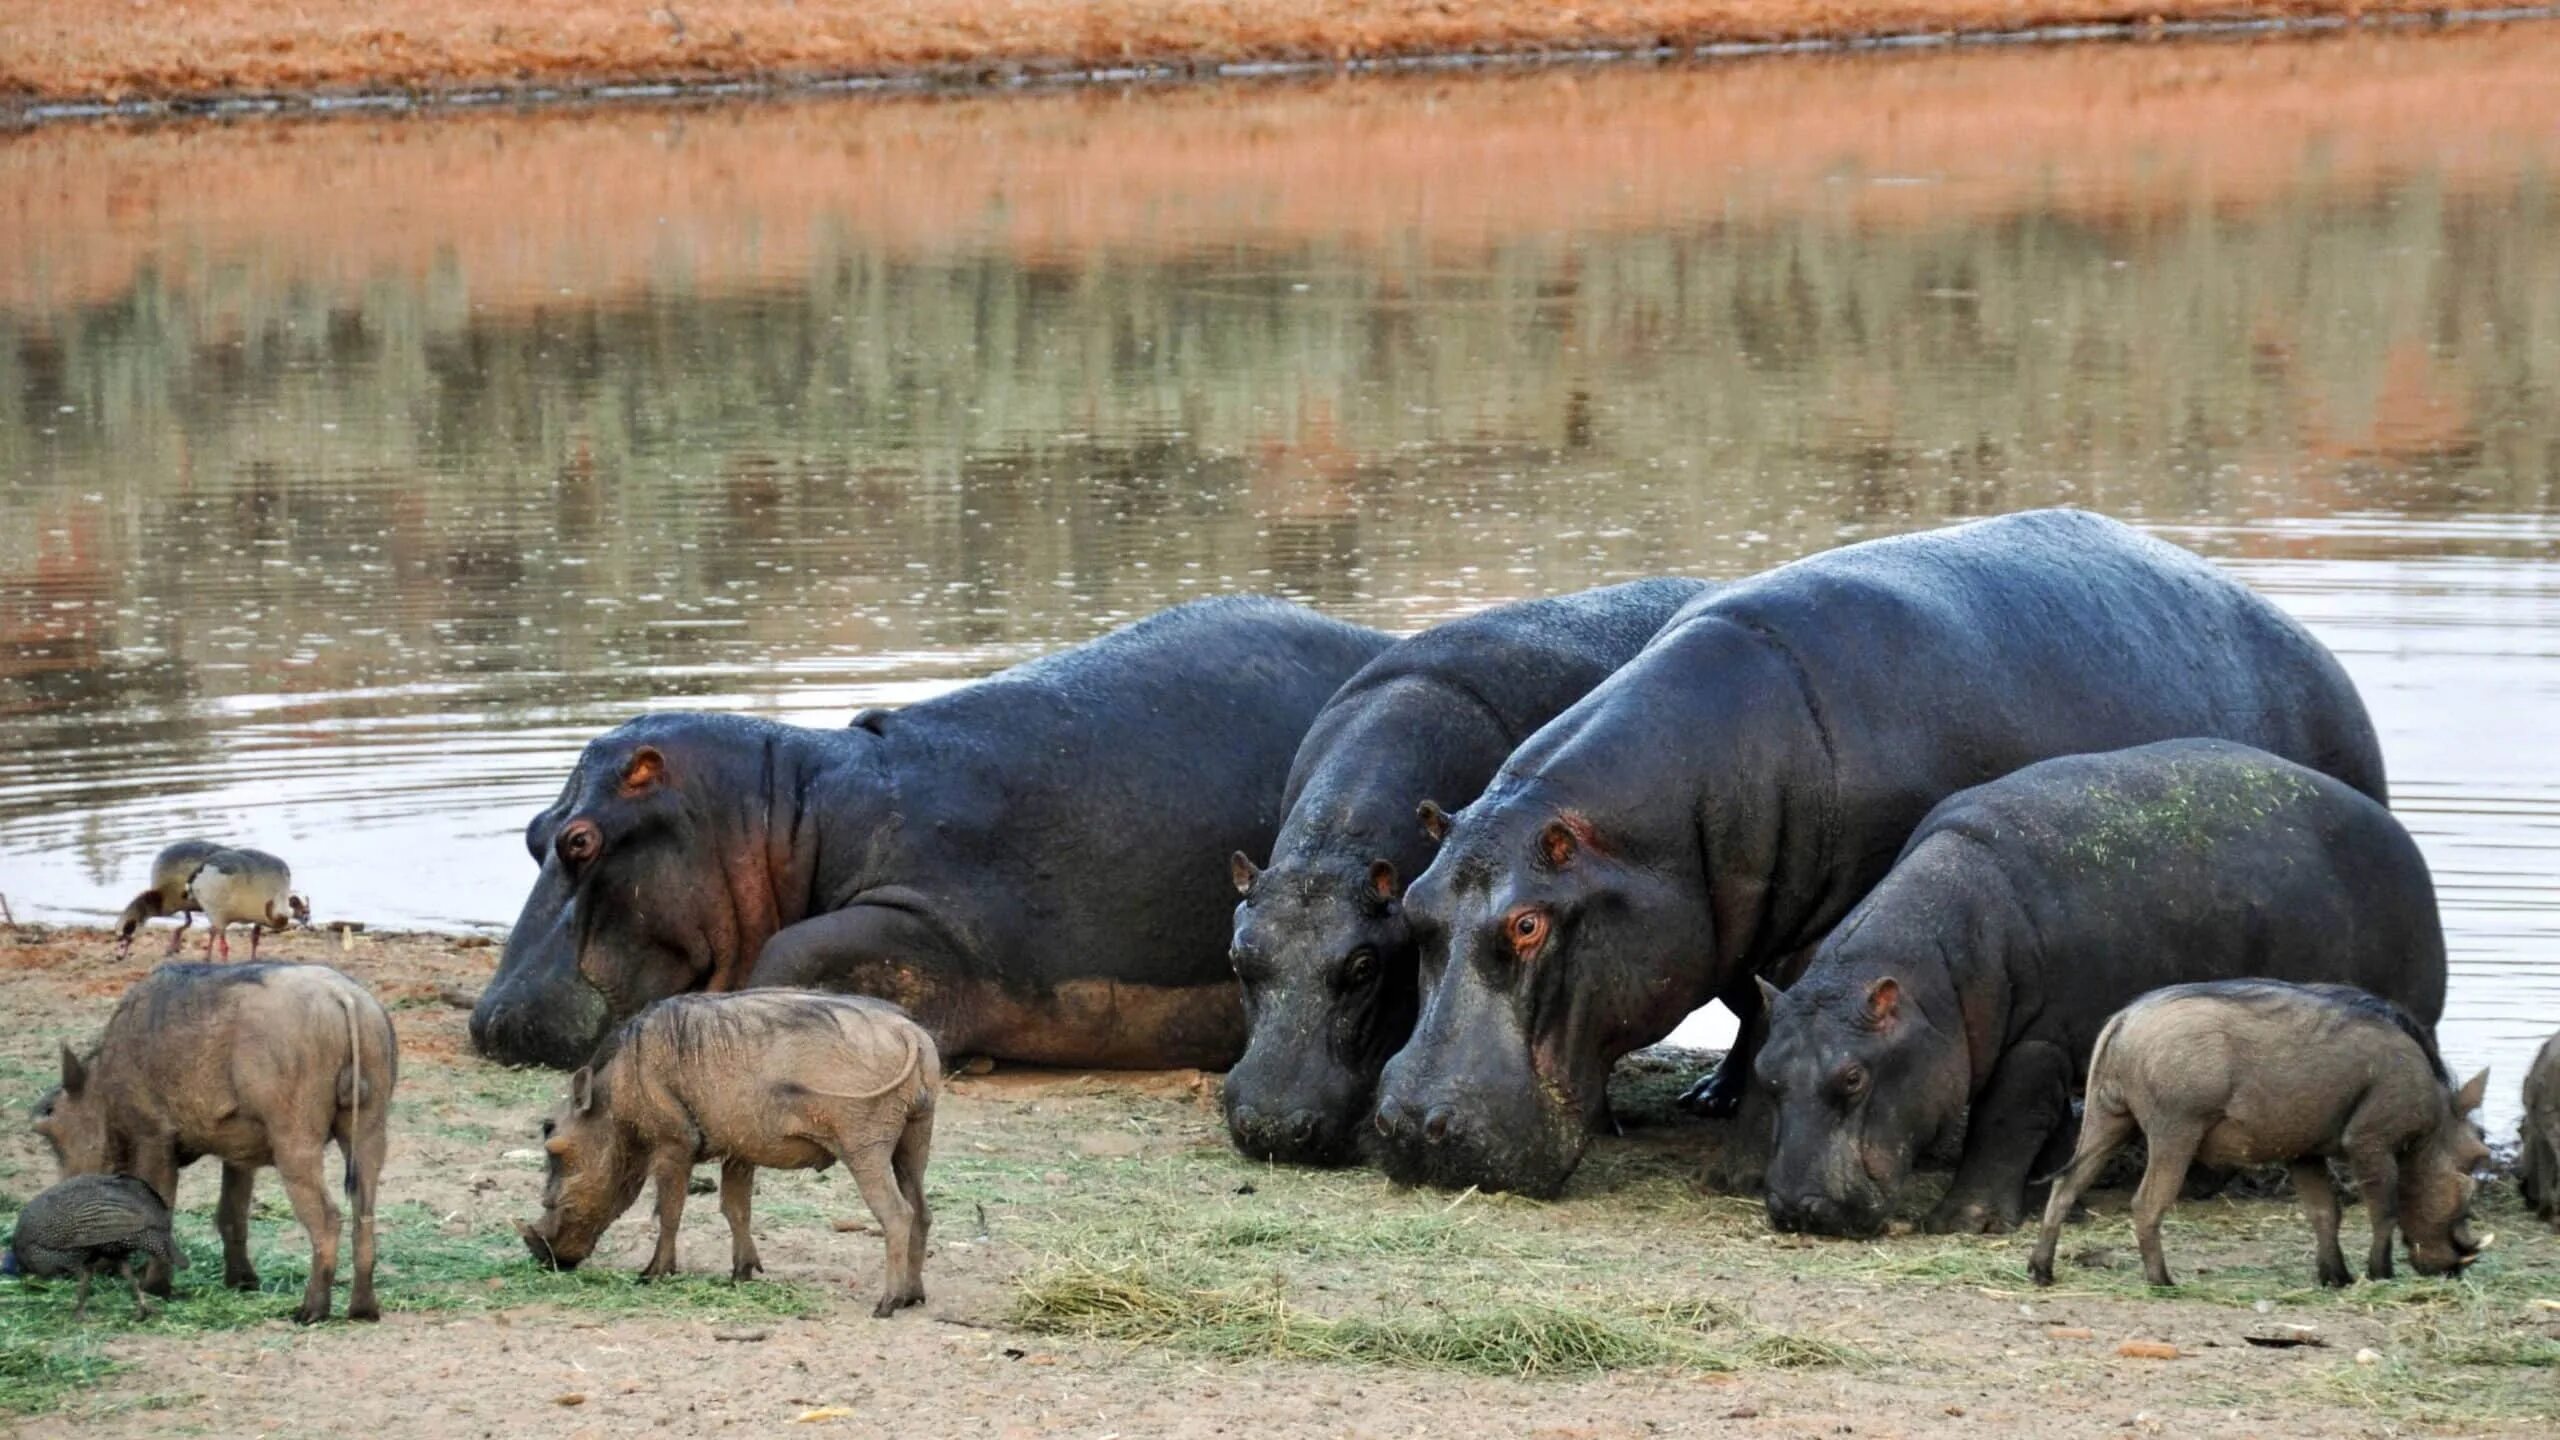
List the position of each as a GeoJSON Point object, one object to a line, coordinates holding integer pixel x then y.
{"type": "Point", "coordinates": [672, 1170]}
{"type": "Point", "coordinates": [231, 1222]}
{"type": "Point", "coordinates": [2103, 1132]}
{"type": "Point", "coordinates": [737, 1205]}
{"type": "Point", "coordinates": [915, 1147]}
{"type": "Point", "coordinates": [2173, 1141]}
{"type": "Point", "coordinates": [302, 1167]}
{"type": "Point", "coordinates": [875, 1171]}
{"type": "Point", "coordinates": [367, 1151]}
{"type": "Point", "coordinates": [2320, 1202]}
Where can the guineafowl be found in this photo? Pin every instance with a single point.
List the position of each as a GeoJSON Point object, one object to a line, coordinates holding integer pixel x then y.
{"type": "Point", "coordinates": [89, 1224]}
{"type": "Point", "coordinates": [245, 887]}
{"type": "Point", "coordinates": [171, 869]}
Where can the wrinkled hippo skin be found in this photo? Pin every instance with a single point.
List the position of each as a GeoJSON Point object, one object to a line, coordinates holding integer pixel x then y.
{"type": "Point", "coordinates": [1967, 988]}
{"type": "Point", "coordinates": [1029, 864]}
{"type": "Point", "coordinates": [1708, 813]}
{"type": "Point", "coordinates": [1320, 941]}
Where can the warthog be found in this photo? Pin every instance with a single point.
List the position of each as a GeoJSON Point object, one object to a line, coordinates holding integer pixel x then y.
{"type": "Point", "coordinates": [2540, 1167]}
{"type": "Point", "coordinates": [787, 1079]}
{"type": "Point", "coordinates": [2252, 1072]}
{"type": "Point", "coordinates": [258, 1064]}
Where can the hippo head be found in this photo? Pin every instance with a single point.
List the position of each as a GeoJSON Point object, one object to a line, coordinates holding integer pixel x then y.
{"type": "Point", "coordinates": [1862, 1078]}
{"type": "Point", "coordinates": [592, 1172]}
{"type": "Point", "coordinates": [2437, 1187]}
{"type": "Point", "coordinates": [656, 880]}
{"type": "Point", "coordinates": [1540, 942]}
{"type": "Point", "coordinates": [72, 1118]}
{"type": "Point", "coordinates": [1327, 965]}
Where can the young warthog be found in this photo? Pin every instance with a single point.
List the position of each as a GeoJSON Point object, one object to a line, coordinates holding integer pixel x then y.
{"type": "Point", "coordinates": [788, 1079]}
{"type": "Point", "coordinates": [2248, 1072]}
{"type": "Point", "coordinates": [259, 1064]}
{"type": "Point", "coordinates": [2540, 1168]}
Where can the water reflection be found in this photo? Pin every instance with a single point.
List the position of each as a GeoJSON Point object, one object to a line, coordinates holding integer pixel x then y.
{"type": "Point", "coordinates": [336, 528]}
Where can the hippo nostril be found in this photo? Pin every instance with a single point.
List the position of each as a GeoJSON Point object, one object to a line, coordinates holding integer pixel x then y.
{"type": "Point", "coordinates": [1302, 1126]}
{"type": "Point", "coordinates": [1435, 1126]}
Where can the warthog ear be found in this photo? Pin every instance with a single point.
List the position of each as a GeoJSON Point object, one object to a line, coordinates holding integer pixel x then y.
{"type": "Point", "coordinates": [1383, 882]}
{"type": "Point", "coordinates": [582, 1089]}
{"type": "Point", "coordinates": [643, 771]}
{"type": "Point", "coordinates": [1884, 1003]}
{"type": "Point", "coordinates": [1242, 870]}
{"type": "Point", "coordinates": [74, 1074]}
{"type": "Point", "coordinates": [2465, 1100]}
{"type": "Point", "coordinates": [1435, 821]}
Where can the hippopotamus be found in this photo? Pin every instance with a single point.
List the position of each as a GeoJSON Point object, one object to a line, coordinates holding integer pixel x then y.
{"type": "Point", "coordinates": [1709, 812]}
{"type": "Point", "coordinates": [1320, 940]}
{"type": "Point", "coordinates": [1028, 864]}
{"type": "Point", "coordinates": [1966, 989]}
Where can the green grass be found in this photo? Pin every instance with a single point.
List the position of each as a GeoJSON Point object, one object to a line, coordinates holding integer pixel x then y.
{"type": "Point", "coordinates": [46, 1356]}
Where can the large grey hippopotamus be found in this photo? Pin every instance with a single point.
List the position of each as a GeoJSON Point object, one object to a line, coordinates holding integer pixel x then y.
{"type": "Point", "coordinates": [1031, 864]}
{"type": "Point", "coordinates": [1714, 808]}
{"type": "Point", "coordinates": [1966, 990]}
{"type": "Point", "coordinates": [1320, 940]}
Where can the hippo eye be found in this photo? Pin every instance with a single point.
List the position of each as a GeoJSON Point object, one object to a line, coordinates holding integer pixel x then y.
{"type": "Point", "coordinates": [1528, 929]}
{"type": "Point", "coordinates": [580, 841]}
{"type": "Point", "coordinates": [1360, 969]}
{"type": "Point", "coordinates": [1851, 1081]}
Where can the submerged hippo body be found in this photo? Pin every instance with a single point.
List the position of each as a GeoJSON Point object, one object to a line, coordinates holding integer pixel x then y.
{"type": "Point", "coordinates": [1320, 941]}
{"type": "Point", "coordinates": [1028, 865]}
{"type": "Point", "coordinates": [1970, 984]}
{"type": "Point", "coordinates": [1715, 807]}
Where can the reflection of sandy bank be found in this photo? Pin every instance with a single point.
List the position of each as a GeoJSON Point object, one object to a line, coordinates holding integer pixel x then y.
{"type": "Point", "coordinates": [518, 209]}
{"type": "Point", "coordinates": [91, 48]}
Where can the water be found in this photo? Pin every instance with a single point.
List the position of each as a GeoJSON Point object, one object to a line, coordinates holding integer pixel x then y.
{"type": "Point", "coordinates": [352, 473]}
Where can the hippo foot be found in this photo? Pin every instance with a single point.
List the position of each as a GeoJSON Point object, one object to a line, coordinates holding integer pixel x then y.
{"type": "Point", "coordinates": [891, 1304]}
{"type": "Point", "coordinates": [1712, 1096]}
{"type": "Point", "coordinates": [1969, 1218]}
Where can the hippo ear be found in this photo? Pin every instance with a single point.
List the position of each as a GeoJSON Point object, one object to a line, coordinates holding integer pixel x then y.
{"type": "Point", "coordinates": [1768, 993]}
{"type": "Point", "coordinates": [1242, 870]}
{"type": "Point", "coordinates": [2466, 1099]}
{"type": "Point", "coordinates": [644, 771]}
{"type": "Point", "coordinates": [75, 1076]}
{"type": "Point", "coordinates": [1884, 1003]}
{"type": "Point", "coordinates": [1558, 844]}
{"type": "Point", "coordinates": [582, 1089]}
{"type": "Point", "coordinates": [1383, 881]}
{"type": "Point", "coordinates": [1435, 821]}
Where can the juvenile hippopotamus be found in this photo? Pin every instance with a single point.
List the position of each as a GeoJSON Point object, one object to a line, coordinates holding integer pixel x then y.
{"type": "Point", "coordinates": [1713, 809]}
{"type": "Point", "coordinates": [1029, 864]}
{"type": "Point", "coordinates": [1320, 940]}
{"type": "Point", "coordinates": [1966, 990]}
{"type": "Point", "coordinates": [2255, 1072]}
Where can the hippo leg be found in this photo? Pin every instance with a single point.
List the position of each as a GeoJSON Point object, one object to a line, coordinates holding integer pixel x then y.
{"type": "Point", "coordinates": [2320, 1202]}
{"type": "Point", "coordinates": [915, 1147]}
{"type": "Point", "coordinates": [231, 1222]}
{"type": "Point", "coordinates": [2027, 1099]}
{"type": "Point", "coordinates": [672, 1170]}
{"type": "Point", "coordinates": [2173, 1141]}
{"type": "Point", "coordinates": [868, 949]}
{"type": "Point", "coordinates": [737, 1206]}
{"type": "Point", "coordinates": [302, 1165]}
{"type": "Point", "coordinates": [1720, 1092]}
{"type": "Point", "coordinates": [1743, 1150]}
{"type": "Point", "coordinates": [874, 1169]}
{"type": "Point", "coordinates": [2103, 1132]}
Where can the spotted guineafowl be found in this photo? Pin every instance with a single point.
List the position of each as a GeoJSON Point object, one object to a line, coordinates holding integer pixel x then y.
{"type": "Point", "coordinates": [171, 869]}
{"type": "Point", "coordinates": [87, 1225]}
{"type": "Point", "coordinates": [245, 887]}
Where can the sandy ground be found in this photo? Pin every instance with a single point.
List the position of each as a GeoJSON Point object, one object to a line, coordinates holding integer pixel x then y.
{"type": "Point", "coordinates": [1028, 1163]}
{"type": "Point", "coordinates": [127, 49]}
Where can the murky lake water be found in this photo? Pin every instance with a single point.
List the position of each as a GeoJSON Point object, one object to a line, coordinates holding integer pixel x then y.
{"type": "Point", "coordinates": [352, 474]}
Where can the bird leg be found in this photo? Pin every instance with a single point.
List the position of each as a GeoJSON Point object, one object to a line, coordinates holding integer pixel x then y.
{"type": "Point", "coordinates": [125, 1268]}
{"type": "Point", "coordinates": [178, 936]}
{"type": "Point", "coordinates": [254, 932]}
{"type": "Point", "coordinates": [80, 1310]}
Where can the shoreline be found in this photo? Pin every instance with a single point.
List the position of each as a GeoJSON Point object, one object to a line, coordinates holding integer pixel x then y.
{"type": "Point", "coordinates": [33, 93]}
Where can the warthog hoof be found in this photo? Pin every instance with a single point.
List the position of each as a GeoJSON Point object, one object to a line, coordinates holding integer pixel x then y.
{"type": "Point", "coordinates": [891, 1304]}
{"type": "Point", "coordinates": [311, 1312]}
{"type": "Point", "coordinates": [243, 1278]}
{"type": "Point", "coordinates": [746, 1271]}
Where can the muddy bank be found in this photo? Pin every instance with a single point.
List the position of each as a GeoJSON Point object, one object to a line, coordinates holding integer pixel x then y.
{"type": "Point", "coordinates": [91, 52]}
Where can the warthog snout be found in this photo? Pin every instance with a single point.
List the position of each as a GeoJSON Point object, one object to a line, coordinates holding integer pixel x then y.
{"type": "Point", "coordinates": [544, 1253]}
